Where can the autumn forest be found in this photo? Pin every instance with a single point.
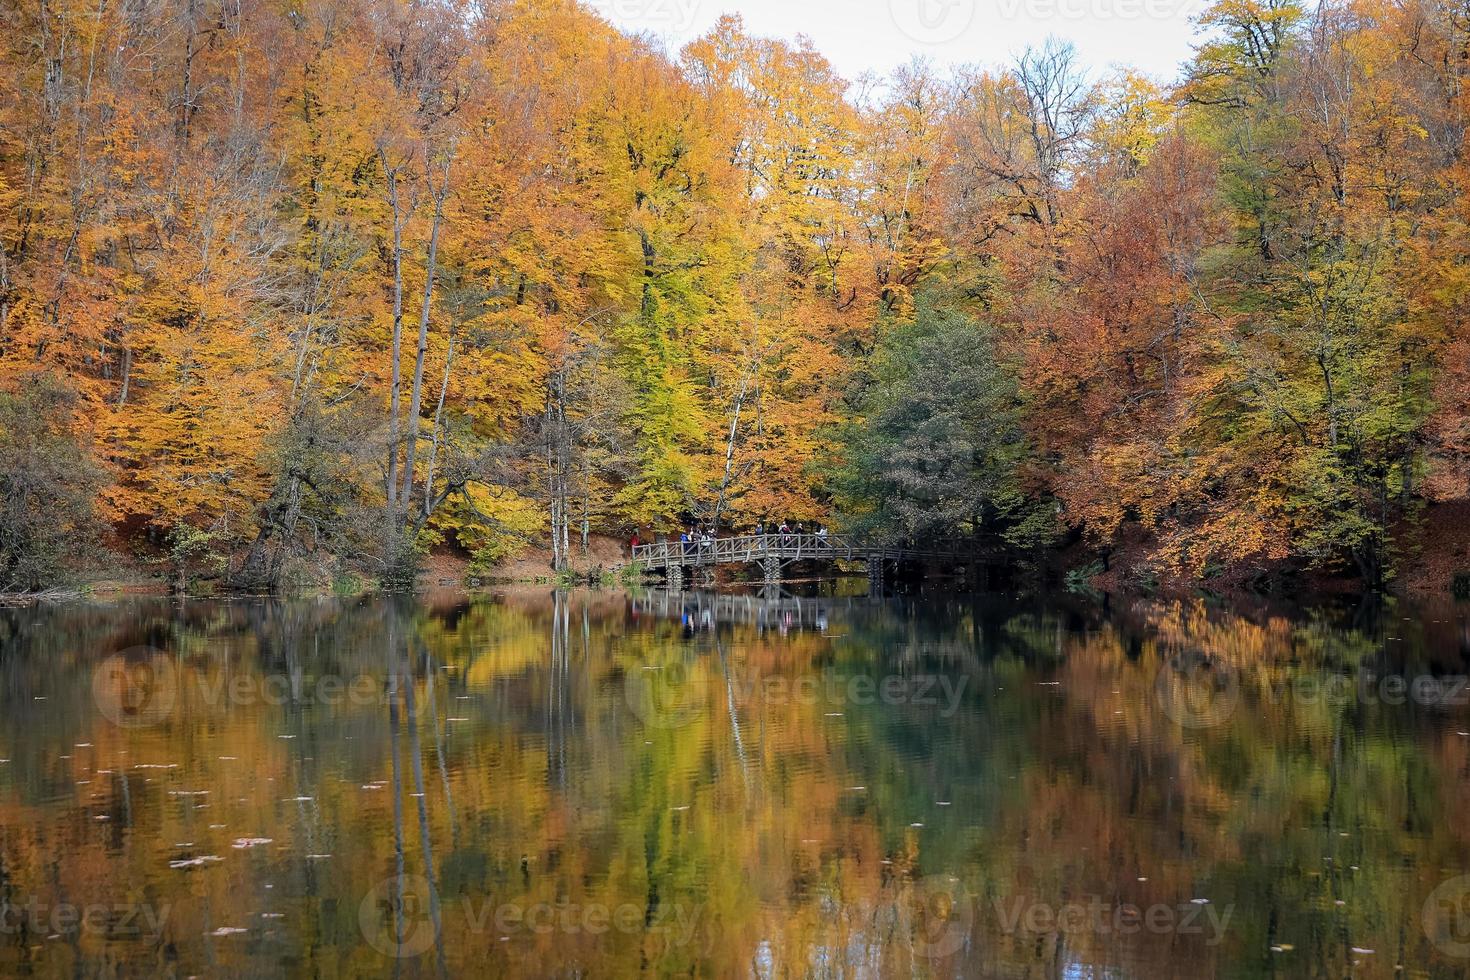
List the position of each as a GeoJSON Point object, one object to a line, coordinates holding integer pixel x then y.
{"type": "Point", "coordinates": [370, 279]}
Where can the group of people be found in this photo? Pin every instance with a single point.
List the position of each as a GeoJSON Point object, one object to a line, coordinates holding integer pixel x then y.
{"type": "Point", "coordinates": [698, 537]}
{"type": "Point", "coordinates": [789, 531]}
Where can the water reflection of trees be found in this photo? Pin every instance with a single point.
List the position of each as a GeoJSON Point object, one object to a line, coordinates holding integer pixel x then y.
{"type": "Point", "coordinates": [505, 763]}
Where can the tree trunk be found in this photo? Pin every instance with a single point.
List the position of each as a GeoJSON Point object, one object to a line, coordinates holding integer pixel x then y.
{"type": "Point", "coordinates": [438, 423]}
{"type": "Point", "coordinates": [586, 513]}
{"type": "Point", "coordinates": [397, 353]}
{"type": "Point", "coordinates": [415, 399]}
{"type": "Point", "coordinates": [730, 442]}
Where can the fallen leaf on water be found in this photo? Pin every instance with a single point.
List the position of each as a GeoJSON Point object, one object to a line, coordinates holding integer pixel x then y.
{"type": "Point", "coordinates": [195, 862]}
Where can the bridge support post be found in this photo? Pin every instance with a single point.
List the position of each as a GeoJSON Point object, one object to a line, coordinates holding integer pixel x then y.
{"type": "Point", "coordinates": [771, 569]}
{"type": "Point", "coordinates": [979, 576]}
{"type": "Point", "coordinates": [676, 578]}
{"type": "Point", "coordinates": [875, 575]}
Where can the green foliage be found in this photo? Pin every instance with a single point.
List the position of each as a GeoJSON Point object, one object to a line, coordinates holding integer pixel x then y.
{"type": "Point", "coordinates": [937, 445]}
{"type": "Point", "coordinates": [195, 553]}
{"type": "Point", "coordinates": [1325, 377]}
{"type": "Point", "coordinates": [347, 583]}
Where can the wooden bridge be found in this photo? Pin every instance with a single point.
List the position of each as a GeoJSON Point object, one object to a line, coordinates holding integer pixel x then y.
{"type": "Point", "coordinates": [775, 552]}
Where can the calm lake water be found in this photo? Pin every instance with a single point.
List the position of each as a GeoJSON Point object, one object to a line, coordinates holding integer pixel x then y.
{"type": "Point", "coordinates": [602, 785]}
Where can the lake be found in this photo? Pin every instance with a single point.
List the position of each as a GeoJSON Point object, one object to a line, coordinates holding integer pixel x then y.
{"type": "Point", "coordinates": [605, 785]}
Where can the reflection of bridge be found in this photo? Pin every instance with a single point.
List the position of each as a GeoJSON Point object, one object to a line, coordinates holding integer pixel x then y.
{"type": "Point", "coordinates": [774, 552]}
{"type": "Point", "coordinates": [702, 610]}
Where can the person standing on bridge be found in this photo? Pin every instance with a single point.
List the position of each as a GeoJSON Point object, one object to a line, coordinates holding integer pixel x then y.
{"type": "Point", "coordinates": [633, 543]}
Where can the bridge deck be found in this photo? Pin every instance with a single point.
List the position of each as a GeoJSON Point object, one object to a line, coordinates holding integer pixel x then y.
{"type": "Point", "coordinates": [784, 548]}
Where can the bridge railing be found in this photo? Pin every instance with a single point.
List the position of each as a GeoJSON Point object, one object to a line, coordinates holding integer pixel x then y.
{"type": "Point", "coordinates": [786, 547]}
{"type": "Point", "coordinates": [748, 548]}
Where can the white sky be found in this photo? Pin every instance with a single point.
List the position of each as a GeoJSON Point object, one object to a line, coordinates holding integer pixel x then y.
{"type": "Point", "coordinates": [860, 35]}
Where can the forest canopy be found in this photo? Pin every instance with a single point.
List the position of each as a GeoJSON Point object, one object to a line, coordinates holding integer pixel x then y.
{"type": "Point", "coordinates": [364, 277]}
